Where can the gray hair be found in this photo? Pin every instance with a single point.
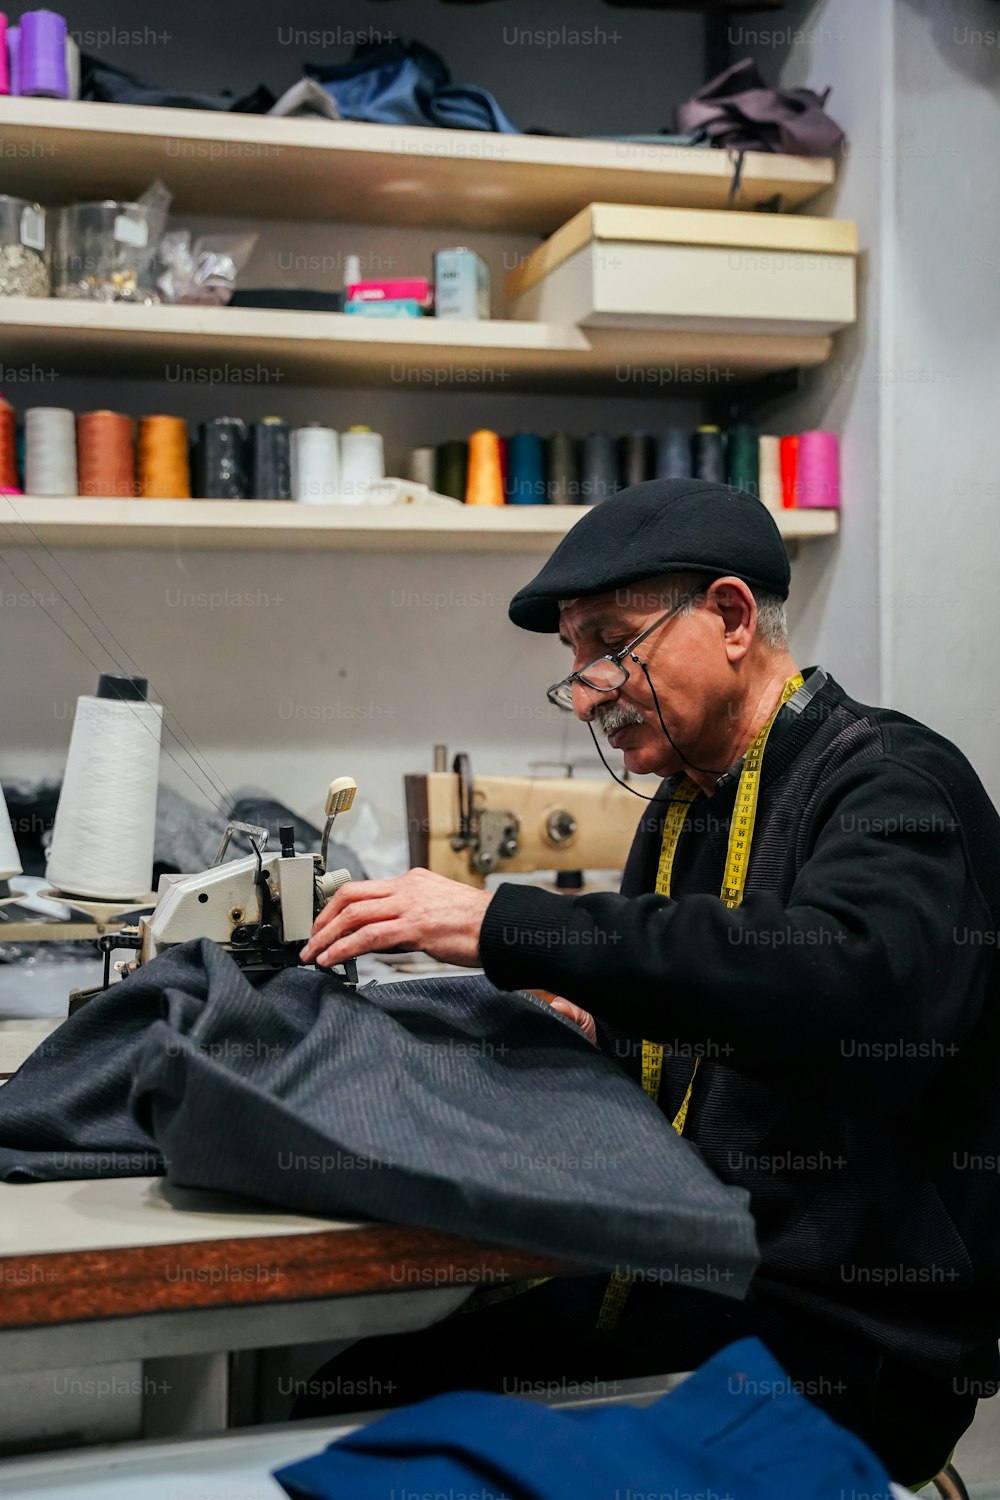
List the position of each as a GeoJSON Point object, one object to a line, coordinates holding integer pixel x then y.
{"type": "Point", "coordinates": [668, 588]}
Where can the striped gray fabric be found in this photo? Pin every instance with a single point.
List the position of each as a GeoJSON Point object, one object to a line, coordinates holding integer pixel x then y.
{"type": "Point", "coordinates": [439, 1102]}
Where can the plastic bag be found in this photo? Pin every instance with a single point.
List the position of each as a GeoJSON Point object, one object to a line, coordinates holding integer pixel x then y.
{"type": "Point", "coordinates": [204, 273]}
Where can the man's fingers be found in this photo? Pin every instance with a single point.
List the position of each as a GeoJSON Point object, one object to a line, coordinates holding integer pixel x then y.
{"type": "Point", "coordinates": [353, 890]}
{"type": "Point", "coordinates": [379, 937]}
{"type": "Point", "coordinates": [580, 1017]}
{"type": "Point", "coordinates": [353, 918]}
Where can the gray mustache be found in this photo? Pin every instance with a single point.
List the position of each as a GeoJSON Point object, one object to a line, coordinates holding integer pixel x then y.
{"type": "Point", "coordinates": [618, 716]}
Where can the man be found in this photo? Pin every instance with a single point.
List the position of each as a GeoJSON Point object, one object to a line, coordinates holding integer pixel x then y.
{"type": "Point", "coordinates": [801, 967]}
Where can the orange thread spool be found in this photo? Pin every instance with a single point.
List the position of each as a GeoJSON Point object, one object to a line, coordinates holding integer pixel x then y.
{"type": "Point", "coordinates": [8, 446]}
{"type": "Point", "coordinates": [104, 453]}
{"type": "Point", "coordinates": [164, 466]}
{"type": "Point", "coordinates": [484, 485]}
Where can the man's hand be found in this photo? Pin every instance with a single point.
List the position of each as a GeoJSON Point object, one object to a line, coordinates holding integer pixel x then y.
{"type": "Point", "coordinates": [417, 910]}
{"type": "Point", "coordinates": [578, 1016]}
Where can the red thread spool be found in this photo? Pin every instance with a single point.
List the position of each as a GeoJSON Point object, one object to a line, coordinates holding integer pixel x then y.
{"type": "Point", "coordinates": [8, 446]}
{"type": "Point", "coordinates": [789, 455]}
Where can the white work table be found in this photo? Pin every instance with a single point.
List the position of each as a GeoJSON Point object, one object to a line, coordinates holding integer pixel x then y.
{"type": "Point", "coordinates": [138, 1277]}
{"type": "Point", "coordinates": [160, 1292]}
{"type": "Point", "coordinates": [123, 1267]}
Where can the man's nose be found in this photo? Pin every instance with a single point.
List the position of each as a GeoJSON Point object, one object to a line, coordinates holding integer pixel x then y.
{"type": "Point", "coordinates": [587, 700]}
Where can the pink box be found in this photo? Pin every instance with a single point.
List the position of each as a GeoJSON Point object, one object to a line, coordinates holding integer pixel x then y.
{"type": "Point", "coordinates": [417, 287]}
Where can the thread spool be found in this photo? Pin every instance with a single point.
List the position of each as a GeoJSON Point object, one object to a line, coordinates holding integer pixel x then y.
{"type": "Point", "coordinates": [270, 459]}
{"type": "Point", "coordinates": [673, 454]}
{"type": "Point", "coordinates": [4, 69]}
{"type": "Point", "coordinates": [562, 469]}
{"type": "Point", "coordinates": [14, 58]}
{"type": "Point", "coordinates": [421, 467]}
{"type": "Point", "coordinates": [102, 839]}
{"type": "Point", "coordinates": [635, 458]}
{"type": "Point", "coordinates": [743, 459]}
{"type": "Point", "coordinates": [708, 458]}
{"type": "Point", "coordinates": [788, 453]}
{"type": "Point", "coordinates": [315, 465]}
{"type": "Point", "coordinates": [50, 451]}
{"type": "Point", "coordinates": [104, 454]}
{"type": "Point", "coordinates": [770, 472]}
{"type": "Point", "coordinates": [362, 463]}
{"type": "Point", "coordinates": [8, 447]}
{"type": "Point", "coordinates": [164, 463]}
{"type": "Point", "coordinates": [222, 469]}
{"type": "Point", "coordinates": [485, 482]}
{"type": "Point", "coordinates": [10, 859]}
{"type": "Point", "coordinates": [43, 55]}
{"type": "Point", "coordinates": [599, 467]}
{"type": "Point", "coordinates": [453, 469]}
{"type": "Point", "coordinates": [817, 484]}
{"type": "Point", "coordinates": [525, 481]}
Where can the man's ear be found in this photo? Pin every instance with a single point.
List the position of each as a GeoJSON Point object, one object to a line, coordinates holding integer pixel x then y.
{"type": "Point", "coordinates": [737, 608]}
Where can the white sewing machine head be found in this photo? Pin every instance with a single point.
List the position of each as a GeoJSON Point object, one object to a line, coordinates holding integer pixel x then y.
{"type": "Point", "coordinates": [260, 908]}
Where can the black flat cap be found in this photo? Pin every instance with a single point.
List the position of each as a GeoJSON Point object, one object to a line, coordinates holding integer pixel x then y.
{"type": "Point", "coordinates": [661, 526]}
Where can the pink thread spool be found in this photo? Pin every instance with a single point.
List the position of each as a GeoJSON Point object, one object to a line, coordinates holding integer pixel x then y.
{"type": "Point", "coordinates": [4, 70]}
{"type": "Point", "coordinates": [14, 59]}
{"type": "Point", "coordinates": [818, 479]}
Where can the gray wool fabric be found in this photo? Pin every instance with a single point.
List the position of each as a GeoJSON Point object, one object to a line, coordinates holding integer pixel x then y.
{"type": "Point", "coordinates": [445, 1103]}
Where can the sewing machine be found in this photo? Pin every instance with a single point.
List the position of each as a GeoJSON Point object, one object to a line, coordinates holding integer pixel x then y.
{"type": "Point", "coordinates": [468, 827]}
{"type": "Point", "coordinates": [259, 908]}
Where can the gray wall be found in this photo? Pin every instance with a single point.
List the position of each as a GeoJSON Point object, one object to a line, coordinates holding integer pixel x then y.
{"type": "Point", "coordinates": [317, 666]}
{"type": "Point", "coordinates": [942, 529]}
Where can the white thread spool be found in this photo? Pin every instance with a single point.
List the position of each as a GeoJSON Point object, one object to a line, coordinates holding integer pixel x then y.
{"type": "Point", "coordinates": [770, 473]}
{"type": "Point", "coordinates": [10, 860]}
{"type": "Point", "coordinates": [50, 451]}
{"type": "Point", "coordinates": [102, 840]}
{"type": "Point", "coordinates": [362, 463]}
{"type": "Point", "coordinates": [315, 465]}
{"type": "Point", "coordinates": [422, 467]}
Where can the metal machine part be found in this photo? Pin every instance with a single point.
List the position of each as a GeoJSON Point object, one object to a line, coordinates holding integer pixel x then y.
{"type": "Point", "coordinates": [260, 907]}
{"type": "Point", "coordinates": [469, 827]}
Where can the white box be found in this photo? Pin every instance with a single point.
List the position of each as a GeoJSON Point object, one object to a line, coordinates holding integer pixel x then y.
{"type": "Point", "coordinates": [615, 265]}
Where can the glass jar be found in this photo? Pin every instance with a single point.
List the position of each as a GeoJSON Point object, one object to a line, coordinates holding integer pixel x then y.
{"type": "Point", "coordinates": [106, 252]}
{"type": "Point", "coordinates": [24, 270]}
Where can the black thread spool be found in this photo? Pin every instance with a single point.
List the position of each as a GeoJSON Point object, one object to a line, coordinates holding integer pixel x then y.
{"type": "Point", "coordinates": [221, 460]}
{"type": "Point", "coordinates": [272, 462]}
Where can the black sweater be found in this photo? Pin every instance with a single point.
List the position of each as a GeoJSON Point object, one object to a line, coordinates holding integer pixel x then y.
{"type": "Point", "coordinates": [847, 1015]}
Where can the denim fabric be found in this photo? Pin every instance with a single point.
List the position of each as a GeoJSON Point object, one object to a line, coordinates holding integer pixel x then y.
{"type": "Point", "coordinates": [735, 1428]}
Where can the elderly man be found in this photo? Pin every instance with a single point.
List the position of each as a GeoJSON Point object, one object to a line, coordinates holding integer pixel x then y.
{"type": "Point", "coordinates": [801, 969]}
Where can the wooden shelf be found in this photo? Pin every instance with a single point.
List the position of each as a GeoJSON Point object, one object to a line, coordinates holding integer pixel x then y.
{"type": "Point", "coordinates": [59, 151]}
{"type": "Point", "coordinates": [206, 346]}
{"type": "Point", "coordinates": [252, 525]}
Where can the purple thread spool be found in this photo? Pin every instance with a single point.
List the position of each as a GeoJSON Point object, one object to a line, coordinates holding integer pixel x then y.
{"type": "Point", "coordinates": [43, 55]}
{"type": "Point", "coordinates": [14, 58]}
{"type": "Point", "coordinates": [4, 70]}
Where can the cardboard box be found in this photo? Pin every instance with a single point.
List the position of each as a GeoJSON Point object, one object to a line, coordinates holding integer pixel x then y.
{"type": "Point", "coordinates": [618, 265]}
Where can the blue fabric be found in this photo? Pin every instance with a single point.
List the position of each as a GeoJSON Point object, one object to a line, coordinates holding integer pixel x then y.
{"type": "Point", "coordinates": [736, 1428]}
{"type": "Point", "coordinates": [397, 84]}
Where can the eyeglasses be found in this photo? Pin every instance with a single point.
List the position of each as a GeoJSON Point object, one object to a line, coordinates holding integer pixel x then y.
{"type": "Point", "coordinates": [605, 674]}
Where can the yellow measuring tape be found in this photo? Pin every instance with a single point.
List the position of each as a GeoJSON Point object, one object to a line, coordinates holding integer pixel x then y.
{"type": "Point", "coordinates": [731, 894]}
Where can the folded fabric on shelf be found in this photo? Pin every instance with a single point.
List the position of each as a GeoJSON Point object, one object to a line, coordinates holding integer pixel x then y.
{"type": "Point", "coordinates": [110, 85]}
{"type": "Point", "coordinates": [736, 1427]}
{"type": "Point", "coordinates": [737, 110]}
{"type": "Point", "coordinates": [397, 83]}
{"type": "Point", "coordinates": [444, 1103]}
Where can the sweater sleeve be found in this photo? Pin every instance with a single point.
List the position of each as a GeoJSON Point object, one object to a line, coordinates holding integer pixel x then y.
{"type": "Point", "coordinates": [881, 950]}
